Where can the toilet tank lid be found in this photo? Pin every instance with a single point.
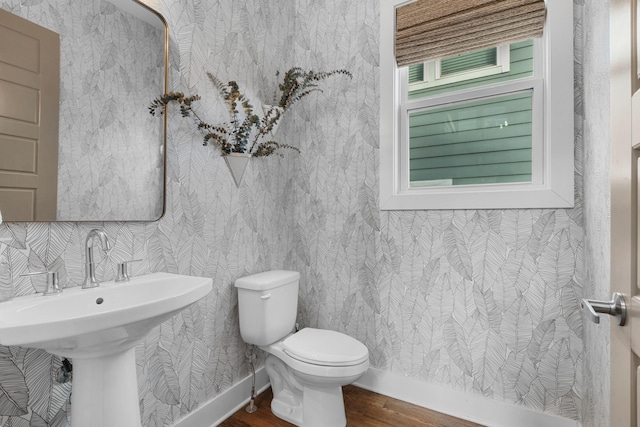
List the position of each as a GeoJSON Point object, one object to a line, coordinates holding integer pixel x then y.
{"type": "Point", "coordinates": [267, 280]}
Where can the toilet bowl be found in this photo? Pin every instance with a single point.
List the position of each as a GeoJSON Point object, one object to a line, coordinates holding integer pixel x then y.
{"type": "Point", "coordinates": [307, 369]}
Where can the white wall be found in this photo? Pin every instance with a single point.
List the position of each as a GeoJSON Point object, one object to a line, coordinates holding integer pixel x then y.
{"type": "Point", "coordinates": [593, 35]}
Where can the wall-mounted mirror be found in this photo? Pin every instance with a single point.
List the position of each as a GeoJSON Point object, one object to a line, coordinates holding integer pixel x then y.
{"type": "Point", "coordinates": [109, 164]}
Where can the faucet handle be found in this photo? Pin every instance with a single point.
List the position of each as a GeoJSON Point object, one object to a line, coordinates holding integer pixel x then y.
{"type": "Point", "coordinates": [53, 286]}
{"type": "Point", "coordinates": [122, 273]}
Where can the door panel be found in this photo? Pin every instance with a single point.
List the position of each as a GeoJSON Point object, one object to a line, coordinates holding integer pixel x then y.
{"type": "Point", "coordinates": [623, 176]}
{"type": "Point", "coordinates": [29, 85]}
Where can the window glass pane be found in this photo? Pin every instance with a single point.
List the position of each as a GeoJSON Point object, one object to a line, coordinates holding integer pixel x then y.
{"type": "Point", "coordinates": [468, 61]}
{"type": "Point", "coordinates": [416, 73]}
{"type": "Point", "coordinates": [520, 65]}
{"type": "Point", "coordinates": [483, 141]}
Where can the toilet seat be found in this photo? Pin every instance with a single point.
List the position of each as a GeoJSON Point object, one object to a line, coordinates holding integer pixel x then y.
{"type": "Point", "coordinates": [325, 348]}
{"type": "Point", "coordinates": [305, 364]}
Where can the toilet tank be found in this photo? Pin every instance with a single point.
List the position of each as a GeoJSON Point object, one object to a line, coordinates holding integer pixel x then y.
{"type": "Point", "coordinates": [267, 305]}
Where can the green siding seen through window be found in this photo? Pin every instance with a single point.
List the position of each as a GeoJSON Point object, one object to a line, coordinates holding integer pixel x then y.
{"type": "Point", "coordinates": [472, 142]}
{"type": "Point", "coordinates": [468, 61]}
{"type": "Point", "coordinates": [416, 73]}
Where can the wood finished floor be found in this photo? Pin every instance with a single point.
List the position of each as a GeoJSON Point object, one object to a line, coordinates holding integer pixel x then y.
{"type": "Point", "coordinates": [364, 409]}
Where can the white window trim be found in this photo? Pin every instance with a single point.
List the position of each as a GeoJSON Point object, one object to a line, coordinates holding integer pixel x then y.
{"type": "Point", "coordinates": [433, 69]}
{"type": "Point", "coordinates": [553, 187]}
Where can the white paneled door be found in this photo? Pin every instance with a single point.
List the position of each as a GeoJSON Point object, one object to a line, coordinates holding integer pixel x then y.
{"type": "Point", "coordinates": [625, 149]}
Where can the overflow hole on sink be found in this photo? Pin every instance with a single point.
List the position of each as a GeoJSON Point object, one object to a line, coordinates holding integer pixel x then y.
{"type": "Point", "coordinates": [99, 301]}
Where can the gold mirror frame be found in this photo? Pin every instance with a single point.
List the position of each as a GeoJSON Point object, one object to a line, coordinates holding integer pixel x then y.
{"type": "Point", "coordinates": [164, 115]}
{"type": "Point", "coordinates": [635, 46]}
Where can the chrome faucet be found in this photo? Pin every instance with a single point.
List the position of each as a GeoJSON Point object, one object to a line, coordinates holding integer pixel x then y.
{"type": "Point", "coordinates": [90, 269]}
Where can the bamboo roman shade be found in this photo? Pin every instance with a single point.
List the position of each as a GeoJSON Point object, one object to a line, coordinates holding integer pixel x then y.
{"type": "Point", "coordinates": [432, 29]}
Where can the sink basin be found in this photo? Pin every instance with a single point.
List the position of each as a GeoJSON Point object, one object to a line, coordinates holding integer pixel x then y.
{"type": "Point", "coordinates": [92, 322]}
{"type": "Point", "coordinates": [98, 328]}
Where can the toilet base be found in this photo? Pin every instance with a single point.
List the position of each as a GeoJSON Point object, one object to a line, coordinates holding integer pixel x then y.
{"type": "Point", "coordinates": [287, 406]}
{"type": "Point", "coordinates": [323, 407]}
{"type": "Point", "coordinates": [303, 405]}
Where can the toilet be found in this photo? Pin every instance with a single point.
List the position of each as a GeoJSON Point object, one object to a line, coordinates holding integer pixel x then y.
{"type": "Point", "coordinates": [308, 368]}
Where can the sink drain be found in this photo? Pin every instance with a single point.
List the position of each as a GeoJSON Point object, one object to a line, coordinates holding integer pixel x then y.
{"type": "Point", "coordinates": [99, 301]}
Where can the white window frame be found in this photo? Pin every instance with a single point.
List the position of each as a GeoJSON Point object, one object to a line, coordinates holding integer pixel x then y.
{"type": "Point", "coordinates": [433, 71]}
{"type": "Point", "coordinates": [552, 185]}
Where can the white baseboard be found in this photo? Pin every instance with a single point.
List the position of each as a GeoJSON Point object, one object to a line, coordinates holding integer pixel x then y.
{"type": "Point", "coordinates": [222, 406]}
{"type": "Point", "coordinates": [457, 403]}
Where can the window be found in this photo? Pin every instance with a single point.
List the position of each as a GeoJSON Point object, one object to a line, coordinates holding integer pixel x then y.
{"type": "Point", "coordinates": [484, 140]}
{"type": "Point", "coordinates": [492, 128]}
{"type": "Point", "coordinates": [467, 66]}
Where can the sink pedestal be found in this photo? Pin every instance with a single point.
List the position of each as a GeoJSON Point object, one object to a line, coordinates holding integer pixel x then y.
{"type": "Point", "coordinates": [104, 392]}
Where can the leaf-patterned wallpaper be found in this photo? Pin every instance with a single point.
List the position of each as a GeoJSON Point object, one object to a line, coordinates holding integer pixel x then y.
{"type": "Point", "coordinates": [482, 301]}
{"type": "Point", "coordinates": [109, 157]}
{"type": "Point", "coordinates": [211, 228]}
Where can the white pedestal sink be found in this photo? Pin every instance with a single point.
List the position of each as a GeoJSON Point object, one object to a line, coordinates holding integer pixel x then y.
{"type": "Point", "coordinates": [98, 328]}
